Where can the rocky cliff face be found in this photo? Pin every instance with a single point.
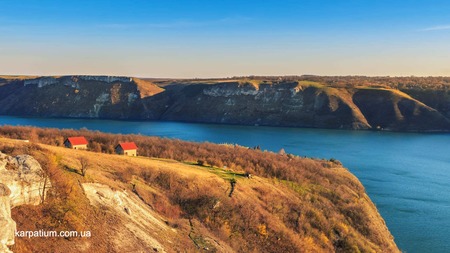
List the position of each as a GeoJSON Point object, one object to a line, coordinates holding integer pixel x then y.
{"type": "Point", "coordinates": [301, 104]}
{"type": "Point", "coordinates": [287, 104]}
{"type": "Point", "coordinates": [73, 80]}
{"type": "Point", "coordinates": [293, 104]}
{"type": "Point", "coordinates": [7, 225]}
{"type": "Point", "coordinates": [72, 96]}
{"type": "Point", "coordinates": [140, 218]}
{"type": "Point", "coordinates": [22, 182]}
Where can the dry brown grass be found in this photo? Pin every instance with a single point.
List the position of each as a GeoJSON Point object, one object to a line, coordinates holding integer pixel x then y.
{"type": "Point", "coordinates": [291, 204]}
{"type": "Point", "coordinates": [147, 88]}
{"type": "Point", "coordinates": [17, 77]}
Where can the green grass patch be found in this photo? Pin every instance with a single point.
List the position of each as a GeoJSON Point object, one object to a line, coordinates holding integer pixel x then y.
{"type": "Point", "coordinates": [221, 172]}
{"type": "Point", "coordinates": [298, 188]}
{"type": "Point", "coordinates": [311, 84]}
{"type": "Point", "coordinates": [255, 83]}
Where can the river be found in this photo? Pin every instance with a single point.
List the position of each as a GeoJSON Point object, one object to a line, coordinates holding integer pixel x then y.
{"type": "Point", "coordinates": [407, 175]}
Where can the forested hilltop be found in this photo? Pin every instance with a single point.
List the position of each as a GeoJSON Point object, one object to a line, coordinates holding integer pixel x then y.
{"type": "Point", "coordinates": [341, 102]}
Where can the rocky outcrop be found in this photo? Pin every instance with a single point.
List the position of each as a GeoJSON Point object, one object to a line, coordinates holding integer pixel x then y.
{"type": "Point", "coordinates": [41, 82]}
{"type": "Point", "coordinates": [138, 217]}
{"type": "Point", "coordinates": [73, 80]}
{"type": "Point", "coordinates": [107, 79]}
{"type": "Point", "coordinates": [22, 182]}
{"type": "Point", "coordinates": [7, 225]}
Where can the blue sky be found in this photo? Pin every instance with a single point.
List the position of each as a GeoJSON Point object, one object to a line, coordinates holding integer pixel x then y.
{"type": "Point", "coordinates": [216, 38]}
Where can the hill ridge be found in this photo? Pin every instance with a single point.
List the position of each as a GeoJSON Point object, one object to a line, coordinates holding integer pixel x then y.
{"type": "Point", "coordinates": [244, 102]}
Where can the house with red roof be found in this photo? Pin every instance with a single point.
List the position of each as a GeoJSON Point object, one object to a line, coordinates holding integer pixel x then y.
{"type": "Point", "coordinates": [76, 142]}
{"type": "Point", "coordinates": [126, 148]}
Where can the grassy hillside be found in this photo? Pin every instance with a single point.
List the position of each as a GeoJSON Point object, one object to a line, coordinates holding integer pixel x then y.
{"type": "Point", "coordinates": [190, 197]}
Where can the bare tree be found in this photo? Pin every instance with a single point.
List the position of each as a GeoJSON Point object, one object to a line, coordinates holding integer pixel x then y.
{"type": "Point", "coordinates": [84, 165]}
{"type": "Point", "coordinates": [45, 184]}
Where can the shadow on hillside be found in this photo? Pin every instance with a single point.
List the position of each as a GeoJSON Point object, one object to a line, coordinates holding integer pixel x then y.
{"type": "Point", "coordinates": [69, 169]}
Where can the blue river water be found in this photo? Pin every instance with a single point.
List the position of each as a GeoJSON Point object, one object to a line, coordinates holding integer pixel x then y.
{"type": "Point", "coordinates": [407, 175]}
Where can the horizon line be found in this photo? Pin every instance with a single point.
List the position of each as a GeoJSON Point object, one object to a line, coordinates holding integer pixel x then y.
{"type": "Point", "coordinates": [218, 77]}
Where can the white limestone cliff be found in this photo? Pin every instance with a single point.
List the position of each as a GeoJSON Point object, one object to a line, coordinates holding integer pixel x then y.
{"type": "Point", "coordinates": [23, 182]}
{"type": "Point", "coordinates": [73, 80]}
{"type": "Point", "coordinates": [7, 225]}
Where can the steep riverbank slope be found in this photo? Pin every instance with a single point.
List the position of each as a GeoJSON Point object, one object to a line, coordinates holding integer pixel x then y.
{"type": "Point", "coordinates": [150, 204]}
{"type": "Point", "coordinates": [293, 103]}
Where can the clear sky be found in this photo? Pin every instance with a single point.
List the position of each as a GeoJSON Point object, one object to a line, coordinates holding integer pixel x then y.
{"type": "Point", "coordinates": [218, 38]}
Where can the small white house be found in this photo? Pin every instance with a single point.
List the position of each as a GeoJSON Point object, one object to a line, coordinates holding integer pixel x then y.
{"type": "Point", "coordinates": [76, 142]}
{"type": "Point", "coordinates": [126, 148]}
